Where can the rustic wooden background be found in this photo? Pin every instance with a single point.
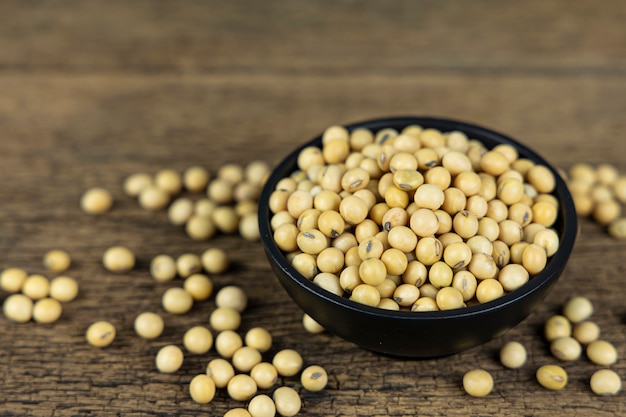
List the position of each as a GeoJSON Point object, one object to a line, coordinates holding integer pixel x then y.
{"type": "Point", "coordinates": [92, 91]}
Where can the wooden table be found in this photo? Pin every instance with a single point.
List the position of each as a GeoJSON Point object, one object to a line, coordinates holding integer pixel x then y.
{"type": "Point", "coordinates": [92, 91]}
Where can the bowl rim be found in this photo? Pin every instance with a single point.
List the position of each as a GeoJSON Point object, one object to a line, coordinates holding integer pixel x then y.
{"type": "Point", "coordinates": [553, 269]}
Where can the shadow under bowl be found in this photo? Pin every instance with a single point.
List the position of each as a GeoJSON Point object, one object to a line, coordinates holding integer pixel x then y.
{"type": "Point", "coordinates": [420, 334]}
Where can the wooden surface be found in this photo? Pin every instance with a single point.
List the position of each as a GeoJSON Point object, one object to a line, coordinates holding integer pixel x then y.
{"type": "Point", "coordinates": [92, 91]}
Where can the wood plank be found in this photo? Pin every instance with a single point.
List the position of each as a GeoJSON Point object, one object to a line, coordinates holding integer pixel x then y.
{"type": "Point", "coordinates": [64, 133]}
{"type": "Point", "coordinates": [327, 37]}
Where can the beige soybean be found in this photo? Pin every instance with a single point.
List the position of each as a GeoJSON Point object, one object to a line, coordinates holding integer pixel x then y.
{"type": "Point", "coordinates": [199, 286]}
{"type": "Point", "coordinates": [512, 277]}
{"type": "Point", "coordinates": [12, 279]}
{"type": "Point", "coordinates": [429, 196]}
{"type": "Point", "coordinates": [314, 378]}
{"type": "Point", "coordinates": [118, 259]}
{"type": "Point", "coordinates": [180, 211]}
{"type": "Point", "coordinates": [311, 326]}
{"type": "Point", "coordinates": [188, 264]}
{"type": "Point", "coordinates": [176, 301]}
{"type": "Point", "coordinates": [457, 255]}
{"type": "Point", "coordinates": [215, 261]}
{"type": "Point", "coordinates": [617, 228]}
{"type": "Point", "coordinates": [225, 219]}
{"type": "Point", "coordinates": [586, 332]}
{"type": "Point", "coordinates": [163, 268]}
{"type": "Point", "coordinates": [605, 382]}
{"type": "Point", "coordinates": [465, 224]}
{"type": "Point", "coordinates": [330, 260]}
{"type": "Point", "coordinates": [100, 334]}
{"type": "Point", "coordinates": [63, 289]}
{"type": "Point", "coordinates": [231, 172]}
{"type": "Point", "coordinates": [36, 287]}
{"type": "Point", "coordinates": [545, 213]}
{"type": "Point", "coordinates": [18, 308]}
{"type": "Point", "coordinates": [440, 274]}
{"type": "Point", "coordinates": [534, 259]}
{"type": "Point", "coordinates": [169, 359]}
{"type": "Point", "coordinates": [256, 172]}
{"type": "Point", "coordinates": [602, 352]}
{"type": "Point", "coordinates": [402, 238]}
{"type": "Point", "coordinates": [428, 250]}
{"type": "Point", "coordinates": [245, 358]}
{"type": "Point", "coordinates": [395, 261]}
{"type": "Point", "coordinates": [305, 264]}
{"type": "Point", "coordinates": [517, 252]}
{"type": "Point", "coordinates": [335, 151]}
{"type": "Point", "coordinates": [494, 163]}
{"type": "Point", "coordinates": [566, 348]}
{"type": "Point", "coordinates": [353, 209]}
{"type": "Point", "coordinates": [195, 178]}
{"type": "Point", "coordinates": [513, 355]}
{"type": "Point", "coordinates": [220, 371]}
{"type": "Point", "coordinates": [578, 309]}
{"type": "Point", "coordinates": [96, 201]}
{"type": "Point", "coordinates": [202, 389]}
{"type": "Point", "coordinates": [488, 290]}
{"type": "Point", "coordinates": [425, 304]}
{"type": "Point", "coordinates": [456, 162]}
{"type": "Point", "coordinates": [406, 295]}
{"type": "Point", "coordinates": [232, 296]}
{"type": "Point", "coordinates": [220, 191]}
{"type": "Point", "coordinates": [541, 178]}
{"type": "Point", "coordinates": [367, 228]}
{"type": "Point", "coordinates": [372, 271]}
{"type": "Point", "coordinates": [552, 377]}
{"type": "Point", "coordinates": [548, 239]}
{"type": "Point", "coordinates": [393, 217]}
{"type": "Point", "coordinates": [483, 266]}
{"type": "Point", "coordinates": [477, 383]}
{"type": "Point", "coordinates": [311, 241]}
{"type": "Point", "coordinates": [287, 362]}
{"type": "Point", "coordinates": [262, 406]}
{"type": "Point", "coordinates": [198, 340]}
{"type": "Point", "coordinates": [149, 325]}
{"type": "Point", "coordinates": [264, 374]}
{"type": "Point", "coordinates": [330, 282]}
{"type": "Point", "coordinates": [407, 179]}
{"type": "Point", "coordinates": [449, 298]}
{"type": "Point", "coordinates": [557, 326]}
{"type": "Point", "coordinates": [386, 288]}
{"type": "Point", "coordinates": [57, 260]}
{"type": "Point", "coordinates": [415, 273]}
{"type": "Point", "coordinates": [424, 222]}
{"type": "Point", "coordinates": [438, 176]}
{"type": "Point", "coordinates": [153, 198]}
{"type": "Point", "coordinates": [169, 180]}
{"type": "Point", "coordinates": [47, 310]}
{"type": "Point", "coordinates": [200, 227]}
{"type": "Point", "coordinates": [134, 184]}
{"type": "Point", "coordinates": [287, 400]}
{"type": "Point", "coordinates": [326, 200]}
{"type": "Point", "coordinates": [258, 338]}
{"type": "Point", "coordinates": [227, 342]}
{"type": "Point", "coordinates": [330, 223]}
{"type": "Point", "coordinates": [225, 318]}
{"type": "Point", "coordinates": [465, 282]}
{"type": "Point", "coordinates": [241, 387]}
{"type": "Point", "coordinates": [237, 412]}
{"type": "Point", "coordinates": [480, 244]}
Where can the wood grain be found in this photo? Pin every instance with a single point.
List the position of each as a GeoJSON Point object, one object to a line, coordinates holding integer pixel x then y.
{"type": "Point", "coordinates": [93, 91]}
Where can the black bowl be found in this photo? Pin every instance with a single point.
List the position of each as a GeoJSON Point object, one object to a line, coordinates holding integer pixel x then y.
{"type": "Point", "coordinates": [420, 334]}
